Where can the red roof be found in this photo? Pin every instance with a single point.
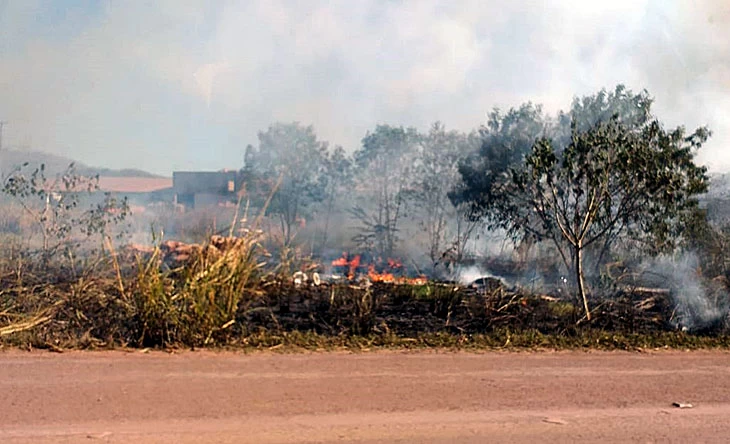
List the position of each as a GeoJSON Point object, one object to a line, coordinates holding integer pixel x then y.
{"type": "Point", "coordinates": [134, 184]}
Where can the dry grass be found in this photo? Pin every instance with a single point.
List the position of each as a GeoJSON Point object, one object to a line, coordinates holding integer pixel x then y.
{"type": "Point", "coordinates": [222, 296]}
{"type": "Point", "coordinates": [501, 339]}
{"type": "Point", "coordinates": [195, 303]}
{"type": "Point", "coordinates": [130, 300]}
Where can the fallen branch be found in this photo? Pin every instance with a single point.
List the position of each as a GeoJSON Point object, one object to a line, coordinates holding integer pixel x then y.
{"type": "Point", "coordinates": [27, 325]}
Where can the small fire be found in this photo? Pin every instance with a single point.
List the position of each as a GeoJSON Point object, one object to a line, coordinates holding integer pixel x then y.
{"type": "Point", "coordinates": [420, 280]}
{"type": "Point", "coordinates": [390, 275]}
{"type": "Point", "coordinates": [391, 279]}
{"type": "Point", "coordinates": [351, 264]}
{"type": "Point", "coordinates": [379, 277]}
{"type": "Point", "coordinates": [394, 263]}
{"type": "Point", "coordinates": [341, 261]}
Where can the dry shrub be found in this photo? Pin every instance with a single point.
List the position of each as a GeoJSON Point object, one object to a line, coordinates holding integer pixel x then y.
{"type": "Point", "coordinates": [66, 302]}
{"type": "Point", "coordinates": [107, 299]}
{"type": "Point", "coordinates": [196, 303]}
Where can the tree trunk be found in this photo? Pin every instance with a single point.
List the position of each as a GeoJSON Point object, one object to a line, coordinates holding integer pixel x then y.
{"type": "Point", "coordinates": [328, 215]}
{"type": "Point", "coordinates": [285, 230]}
{"type": "Point", "coordinates": [579, 279]}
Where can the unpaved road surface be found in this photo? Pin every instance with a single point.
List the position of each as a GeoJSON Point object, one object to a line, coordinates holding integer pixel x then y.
{"type": "Point", "coordinates": [418, 397]}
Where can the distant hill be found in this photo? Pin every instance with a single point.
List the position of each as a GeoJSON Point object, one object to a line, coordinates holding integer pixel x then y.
{"type": "Point", "coordinates": [10, 159]}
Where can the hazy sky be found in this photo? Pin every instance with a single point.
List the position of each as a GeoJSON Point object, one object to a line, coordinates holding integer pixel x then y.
{"type": "Point", "coordinates": [175, 84]}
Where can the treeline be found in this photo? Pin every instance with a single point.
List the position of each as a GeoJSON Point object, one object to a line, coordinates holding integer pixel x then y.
{"type": "Point", "coordinates": [603, 172]}
{"type": "Point", "coordinates": [394, 187]}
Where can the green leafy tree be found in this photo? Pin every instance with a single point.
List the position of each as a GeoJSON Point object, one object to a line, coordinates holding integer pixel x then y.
{"type": "Point", "coordinates": [506, 139]}
{"type": "Point", "coordinates": [631, 110]}
{"type": "Point", "coordinates": [620, 176]}
{"type": "Point", "coordinates": [293, 153]}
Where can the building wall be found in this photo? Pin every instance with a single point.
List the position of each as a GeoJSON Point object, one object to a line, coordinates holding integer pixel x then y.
{"type": "Point", "coordinates": [205, 200]}
{"type": "Point", "coordinates": [191, 182]}
{"type": "Point", "coordinates": [196, 189]}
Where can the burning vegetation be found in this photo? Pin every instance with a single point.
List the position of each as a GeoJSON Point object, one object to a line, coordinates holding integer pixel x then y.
{"type": "Point", "coordinates": [389, 271]}
{"type": "Point", "coordinates": [532, 231]}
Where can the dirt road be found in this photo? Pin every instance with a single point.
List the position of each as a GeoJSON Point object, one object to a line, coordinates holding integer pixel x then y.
{"type": "Point", "coordinates": [427, 397]}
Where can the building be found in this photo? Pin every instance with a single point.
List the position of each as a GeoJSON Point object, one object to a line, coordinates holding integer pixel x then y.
{"type": "Point", "coordinates": [201, 189]}
{"type": "Point", "coordinates": [188, 189]}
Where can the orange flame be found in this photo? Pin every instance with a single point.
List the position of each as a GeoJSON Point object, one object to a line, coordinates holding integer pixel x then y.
{"type": "Point", "coordinates": [341, 261]}
{"type": "Point", "coordinates": [394, 263]}
{"type": "Point", "coordinates": [351, 264]}
{"type": "Point", "coordinates": [379, 277]}
{"type": "Point", "coordinates": [354, 263]}
{"type": "Point", "coordinates": [420, 280]}
{"type": "Point", "coordinates": [389, 278]}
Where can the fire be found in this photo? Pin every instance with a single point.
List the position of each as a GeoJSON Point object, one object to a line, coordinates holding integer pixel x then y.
{"type": "Point", "coordinates": [420, 280]}
{"type": "Point", "coordinates": [379, 277]}
{"type": "Point", "coordinates": [391, 279]}
{"type": "Point", "coordinates": [351, 264]}
{"type": "Point", "coordinates": [341, 261]}
{"type": "Point", "coordinates": [394, 263]}
{"type": "Point", "coordinates": [394, 266]}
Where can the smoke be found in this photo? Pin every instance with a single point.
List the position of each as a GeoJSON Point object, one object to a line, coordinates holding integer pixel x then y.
{"type": "Point", "coordinates": [171, 85]}
{"type": "Point", "coordinates": [698, 304]}
{"type": "Point", "coordinates": [467, 275]}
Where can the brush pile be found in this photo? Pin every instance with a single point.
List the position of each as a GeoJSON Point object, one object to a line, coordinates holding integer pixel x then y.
{"type": "Point", "coordinates": [175, 253]}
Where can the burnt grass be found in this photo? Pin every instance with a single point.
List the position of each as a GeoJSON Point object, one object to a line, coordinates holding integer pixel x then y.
{"type": "Point", "coordinates": [283, 316]}
{"type": "Point", "coordinates": [448, 315]}
{"type": "Point", "coordinates": [408, 311]}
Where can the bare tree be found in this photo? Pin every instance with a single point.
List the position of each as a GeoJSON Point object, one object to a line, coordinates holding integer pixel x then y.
{"type": "Point", "coordinates": [436, 173]}
{"type": "Point", "coordinates": [383, 168]}
{"type": "Point", "coordinates": [53, 205]}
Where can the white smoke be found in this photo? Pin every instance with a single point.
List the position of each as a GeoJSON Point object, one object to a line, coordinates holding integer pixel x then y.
{"type": "Point", "coordinates": [697, 305]}
{"type": "Point", "coordinates": [467, 275]}
{"type": "Point", "coordinates": [169, 85]}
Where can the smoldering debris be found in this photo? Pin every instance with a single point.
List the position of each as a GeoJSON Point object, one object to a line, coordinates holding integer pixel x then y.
{"type": "Point", "coordinates": [467, 275]}
{"type": "Point", "coordinates": [698, 304]}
